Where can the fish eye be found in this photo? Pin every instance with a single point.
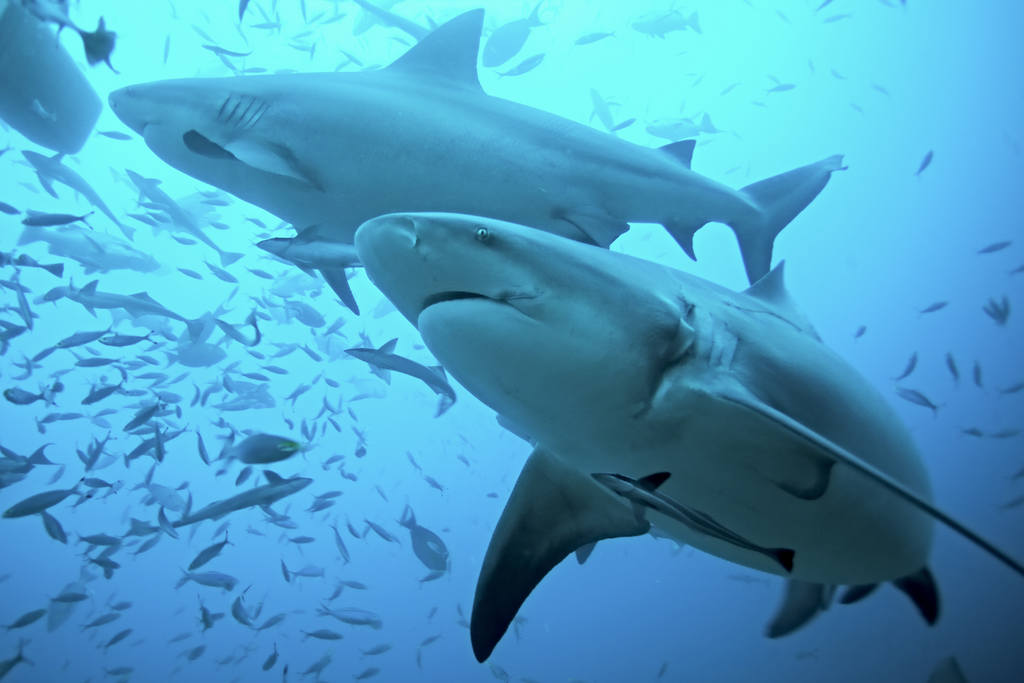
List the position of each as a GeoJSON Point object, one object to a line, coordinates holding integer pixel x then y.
{"type": "Point", "coordinates": [482, 234]}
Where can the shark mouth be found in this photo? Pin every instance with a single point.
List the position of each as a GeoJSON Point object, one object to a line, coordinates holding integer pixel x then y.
{"type": "Point", "coordinates": [204, 146]}
{"type": "Point", "coordinates": [505, 298]}
{"type": "Point", "coordinates": [442, 297]}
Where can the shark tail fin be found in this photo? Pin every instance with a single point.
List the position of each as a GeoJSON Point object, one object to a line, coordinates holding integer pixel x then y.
{"type": "Point", "coordinates": [778, 200]}
{"type": "Point", "coordinates": [229, 257]}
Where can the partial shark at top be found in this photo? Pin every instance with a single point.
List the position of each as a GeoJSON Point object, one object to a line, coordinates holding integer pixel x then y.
{"type": "Point", "coordinates": [335, 149]}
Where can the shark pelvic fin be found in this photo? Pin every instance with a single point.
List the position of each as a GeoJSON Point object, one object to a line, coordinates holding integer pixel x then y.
{"type": "Point", "coordinates": [801, 602]}
{"type": "Point", "coordinates": [553, 510]}
{"type": "Point", "coordinates": [844, 457]}
{"type": "Point", "coordinates": [449, 52]}
{"type": "Point", "coordinates": [338, 281]}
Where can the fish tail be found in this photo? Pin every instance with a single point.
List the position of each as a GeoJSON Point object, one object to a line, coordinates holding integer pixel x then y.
{"type": "Point", "coordinates": [228, 257]}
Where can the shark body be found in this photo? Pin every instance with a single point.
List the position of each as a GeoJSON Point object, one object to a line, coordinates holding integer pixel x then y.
{"type": "Point", "coordinates": [333, 150]}
{"type": "Point", "coordinates": [613, 364]}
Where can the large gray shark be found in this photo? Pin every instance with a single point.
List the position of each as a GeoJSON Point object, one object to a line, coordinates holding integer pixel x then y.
{"type": "Point", "coordinates": [613, 364]}
{"type": "Point", "coordinates": [336, 149]}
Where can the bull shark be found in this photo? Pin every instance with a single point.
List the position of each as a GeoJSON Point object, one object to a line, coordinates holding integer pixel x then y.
{"type": "Point", "coordinates": [324, 149]}
{"type": "Point", "coordinates": [613, 364]}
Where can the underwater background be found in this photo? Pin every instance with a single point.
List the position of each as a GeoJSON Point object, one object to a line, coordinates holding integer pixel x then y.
{"type": "Point", "coordinates": [886, 83]}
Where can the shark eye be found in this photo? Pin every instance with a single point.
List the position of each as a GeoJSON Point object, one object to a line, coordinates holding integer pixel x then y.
{"type": "Point", "coordinates": [482, 234]}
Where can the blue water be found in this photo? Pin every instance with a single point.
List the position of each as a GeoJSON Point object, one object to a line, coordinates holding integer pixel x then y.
{"type": "Point", "coordinates": [883, 86]}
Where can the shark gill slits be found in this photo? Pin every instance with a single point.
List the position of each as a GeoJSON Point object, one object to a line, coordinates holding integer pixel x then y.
{"type": "Point", "coordinates": [203, 146]}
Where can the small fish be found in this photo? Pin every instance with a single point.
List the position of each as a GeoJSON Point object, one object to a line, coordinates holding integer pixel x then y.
{"type": "Point", "coordinates": [217, 50]}
{"type": "Point", "coordinates": [917, 398]}
{"type": "Point", "coordinates": [859, 332]}
{"type": "Point", "coordinates": [951, 365]}
{"type": "Point", "coordinates": [977, 375]}
{"type": "Point", "coordinates": [114, 135]}
{"type": "Point", "coordinates": [8, 209]}
{"type": "Point", "coordinates": [593, 37]}
{"type": "Point", "coordinates": [26, 619]}
{"type": "Point", "coordinates": [40, 219]}
{"type": "Point", "coordinates": [911, 364]}
{"type": "Point", "coordinates": [925, 163]}
{"type": "Point", "coordinates": [994, 247]}
{"type": "Point", "coordinates": [937, 306]}
{"type": "Point", "coordinates": [527, 65]}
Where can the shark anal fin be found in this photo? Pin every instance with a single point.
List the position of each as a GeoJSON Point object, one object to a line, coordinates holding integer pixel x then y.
{"type": "Point", "coordinates": [600, 228]}
{"type": "Point", "coordinates": [801, 602]}
{"type": "Point", "coordinates": [920, 587]}
{"type": "Point", "coordinates": [848, 459]}
{"type": "Point", "coordinates": [552, 511]}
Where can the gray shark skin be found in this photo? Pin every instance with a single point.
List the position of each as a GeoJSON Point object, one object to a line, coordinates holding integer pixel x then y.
{"type": "Point", "coordinates": [615, 364]}
{"type": "Point", "coordinates": [322, 149]}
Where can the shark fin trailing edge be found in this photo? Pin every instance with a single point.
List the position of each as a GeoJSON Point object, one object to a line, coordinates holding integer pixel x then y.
{"type": "Point", "coordinates": [450, 51]}
{"type": "Point", "coordinates": [778, 201]}
{"type": "Point", "coordinates": [552, 511]}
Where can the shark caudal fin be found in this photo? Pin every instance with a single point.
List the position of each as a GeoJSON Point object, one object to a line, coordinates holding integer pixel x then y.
{"type": "Point", "coordinates": [779, 198]}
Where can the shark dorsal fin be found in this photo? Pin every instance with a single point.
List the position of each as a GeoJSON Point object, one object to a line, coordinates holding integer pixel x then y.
{"type": "Point", "coordinates": [553, 510]}
{"type": "Point", "coordinates": [449, 52]}
{"type": "Point", "coordinates": [772, 286]}
{"type": "Point", "coordinates": [272, 477]}
{"type": "Point", "coordinates": [90, 288]}
{"type": "Point", "coordinates": [681, 151]}
{"type": "Point", "coordinates": [389, 346]}
{"type": "Point", "coordinates": [653, 481]}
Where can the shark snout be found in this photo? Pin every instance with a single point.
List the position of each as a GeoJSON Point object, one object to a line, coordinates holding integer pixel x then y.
{"type": "Point", "coordinates": [124, 102]}
{"type": "Point", "coordinates": [382, 239]}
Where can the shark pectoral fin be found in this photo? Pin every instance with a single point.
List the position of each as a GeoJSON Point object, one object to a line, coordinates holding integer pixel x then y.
{"type": "Point", "coordinates": [597, 225]}
{"type": "Point", "coordinates": [553, 510]}
{"type": "Point", "coordinates": [337, 279]}
{"type": "Point", "coordinates": [271, 158]}
{"type": "Point", "coordinates": [801, 602]}
{"type": "Point", "coordinates": [920, 587]}
{"type": "Point", "coordinates": [514, 428]}
{"type": "Point", "coordinates": [842, 456]}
